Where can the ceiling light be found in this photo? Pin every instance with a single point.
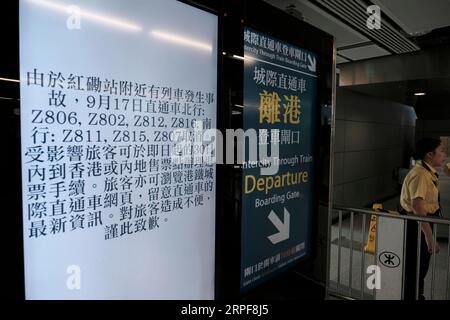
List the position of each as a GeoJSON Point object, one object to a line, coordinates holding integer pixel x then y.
{"type": "Point", "coordinates": [182, 40]}
{"type": "Point", "coordinates": [111, 21]}
{"type": "Point", "coordinates": [10, 80]}
{"type": "Point", "coordinates": [235, 56]}
{"type": "Point", "coordinates": [420, 94]}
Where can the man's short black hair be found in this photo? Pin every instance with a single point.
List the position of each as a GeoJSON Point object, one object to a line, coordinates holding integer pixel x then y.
{"type": "Point", "coordinates": [425, 145]}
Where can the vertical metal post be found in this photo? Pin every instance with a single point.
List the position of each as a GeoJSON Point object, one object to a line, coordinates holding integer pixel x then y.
{"type": "Point", "coordinates": [419, 238]}
{"type": "Point", "coordinates": [448, 269]}
{"type": "Point", "coordinates": [339, 252]}
{"type": "Point", "coordinates": [331, 171]}
{"type": "Point", "coordinates": [434, 262]}
{"type": "Point", "coordinates": [405, 239]}
{"type": "Point", "coordinates": [363, 254]}
{"type": "Point", "coordinates": [350, 278]}
{"type": "Point", "coordinates": [376, 251]}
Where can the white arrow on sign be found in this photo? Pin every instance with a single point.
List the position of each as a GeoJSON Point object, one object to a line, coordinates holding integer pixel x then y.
{"type": "Point", "coordinates": [312, 64]}
{"type": "Point", "coordinates": [283, 228]}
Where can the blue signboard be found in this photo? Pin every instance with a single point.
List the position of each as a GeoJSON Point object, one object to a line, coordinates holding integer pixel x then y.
{"type": "Point", "coordinates": [280, 82]}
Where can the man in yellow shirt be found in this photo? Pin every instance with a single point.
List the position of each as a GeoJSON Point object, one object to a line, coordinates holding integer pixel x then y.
{"type": "Point", "coordinates": [420, 196]}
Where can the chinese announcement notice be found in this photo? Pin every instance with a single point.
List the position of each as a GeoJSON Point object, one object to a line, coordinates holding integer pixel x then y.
{"type": "Point", "coordinates": [107, 214]}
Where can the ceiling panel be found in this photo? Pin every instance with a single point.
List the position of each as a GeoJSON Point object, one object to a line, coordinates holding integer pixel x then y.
{"type": "Point", "coordinates": [366, 52]}
{"type": "Point", "coordinates": [340, 59]}
{"type": "Point", "coordinates": [354, 13]}
{"type": "Point", "coordinates": [313, 15]}
{"type": "Point", "coordinates": [416, 16]}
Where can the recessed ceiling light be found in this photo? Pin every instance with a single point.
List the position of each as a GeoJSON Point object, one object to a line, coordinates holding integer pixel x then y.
{"type": "Point", "coordinates": [420, 94]}
{"type": "Point", "coordinates": [10, 80]}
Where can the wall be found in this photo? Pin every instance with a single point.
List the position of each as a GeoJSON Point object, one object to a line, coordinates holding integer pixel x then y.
{"type": "Point", "coordinates": [373, 137]}
{"type": "Point", "coordinates": [433, 128]}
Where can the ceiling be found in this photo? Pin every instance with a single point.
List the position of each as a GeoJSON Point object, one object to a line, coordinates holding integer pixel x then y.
{"type": "Point", "coordinates": [411, 33]}
{"type": "Point", "coordinates": [404, 24]}
{"type": "Point", "coordinates": [417, 16]}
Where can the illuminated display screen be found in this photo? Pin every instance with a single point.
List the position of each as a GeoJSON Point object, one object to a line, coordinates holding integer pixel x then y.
{"type": "Point", "coordinates": [280, 81]}
{"type": "Point", "coordinates": [107, 214]}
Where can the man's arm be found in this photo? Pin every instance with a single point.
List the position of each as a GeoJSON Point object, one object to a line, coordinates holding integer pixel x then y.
{"type": "Point", "coordinates": [420, 210]}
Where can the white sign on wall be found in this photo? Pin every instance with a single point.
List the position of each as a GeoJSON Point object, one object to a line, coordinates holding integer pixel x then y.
{"type": "Point", "coordinates": [106, 214]}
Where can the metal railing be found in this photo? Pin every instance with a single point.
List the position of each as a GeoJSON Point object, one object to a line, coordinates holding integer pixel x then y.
{"type": "Point", "coordinates": [335, 286]}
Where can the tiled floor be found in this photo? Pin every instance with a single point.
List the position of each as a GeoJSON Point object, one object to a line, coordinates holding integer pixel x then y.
{"type": "Point", "coordinates": [352, 275]}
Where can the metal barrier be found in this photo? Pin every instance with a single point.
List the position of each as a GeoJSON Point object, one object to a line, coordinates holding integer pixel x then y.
{"type": "Point", "coordinates": [335, 287]}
